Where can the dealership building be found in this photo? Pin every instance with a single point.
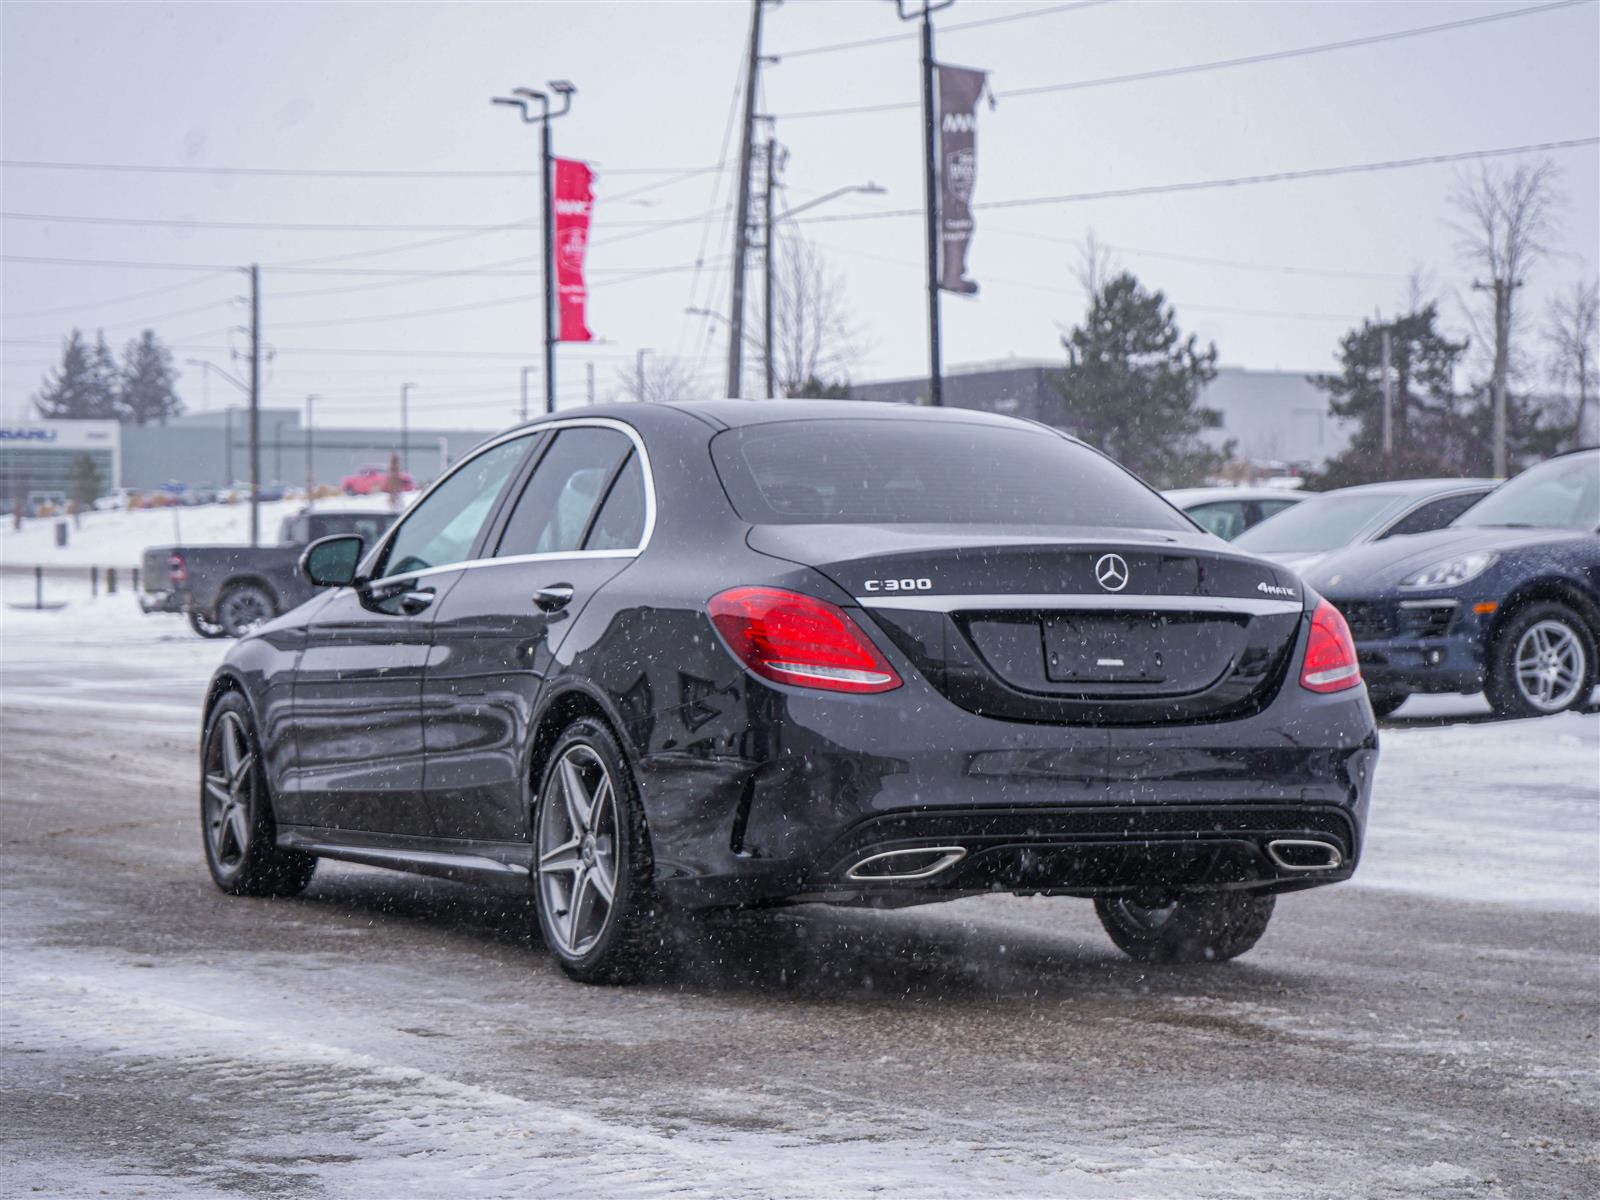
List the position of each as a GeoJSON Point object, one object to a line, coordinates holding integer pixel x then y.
{"type": "Point", "coordinates": [40, 456]}
{"type": "Point", "coordinates": [211, 449]}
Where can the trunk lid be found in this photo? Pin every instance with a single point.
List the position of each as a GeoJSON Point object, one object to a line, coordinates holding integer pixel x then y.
{"type": "Point", "coordinates": [1066, 625]}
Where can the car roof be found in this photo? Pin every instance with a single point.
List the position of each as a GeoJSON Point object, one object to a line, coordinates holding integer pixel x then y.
{"type": "Point", "coordinates": [1201, 495]}
{"type": "Point", "coordinates": [1412, 489]}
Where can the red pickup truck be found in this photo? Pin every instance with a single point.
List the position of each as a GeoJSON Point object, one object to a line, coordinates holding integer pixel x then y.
{"type": "Point", "coordinates": [368, 480]}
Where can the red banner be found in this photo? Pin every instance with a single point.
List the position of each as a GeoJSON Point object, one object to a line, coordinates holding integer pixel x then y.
{"type": "Point", "coordinates": [574, 199]}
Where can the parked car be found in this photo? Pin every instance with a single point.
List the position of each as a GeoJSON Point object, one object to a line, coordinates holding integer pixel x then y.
{"type": "Point", "coordinates": [698, 655]}
{"type": "Point", "coordinates": [1298, 537]}
{"type": "Point", "coordinates": [115, 500]}
{"type": "Point", "coordinates": [44, 504]}
{"type": "Point", "coordinates": [227, 591]}
{"type": "Point", "coordinates": [1229, 511]}
{"type": "Point", "coordinates": [1505, 601]}
{"type": "Point", "coordinates": [370, 479]}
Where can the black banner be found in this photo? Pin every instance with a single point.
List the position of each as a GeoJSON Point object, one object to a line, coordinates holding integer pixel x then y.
{"type": "Point", "coordinates": [959, 91]}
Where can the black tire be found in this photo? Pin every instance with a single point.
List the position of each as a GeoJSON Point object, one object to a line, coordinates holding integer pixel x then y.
{"type": "Point", "coordinates": [1205, 927]}
{"type": "Point", "coordinates": [243, 606]}
{"type": "Point", "coordinates": [1384, 702]}
{"type": "Point", "coordinates": [205, 628]}
{"type": "Point", "coordinates": [1509, 689]}
{"type": "Point", "coordinates": [237, 829]}
{"type": "Point", "coordinates": [618, 947]}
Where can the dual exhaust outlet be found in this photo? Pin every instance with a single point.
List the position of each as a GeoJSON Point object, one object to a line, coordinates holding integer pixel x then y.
{"type": "Point", "coordinates": [1299, 855]}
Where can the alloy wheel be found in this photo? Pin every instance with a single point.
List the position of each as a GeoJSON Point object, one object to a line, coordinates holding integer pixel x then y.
{"type": "Point", "coordinates": [242, 610]}
{"type": "Point", "coordinates": [1550, 665]}
{"type": "Point", "coordinates": [578, 843]}
{"type": "Point", "coordinates": [229, 789]}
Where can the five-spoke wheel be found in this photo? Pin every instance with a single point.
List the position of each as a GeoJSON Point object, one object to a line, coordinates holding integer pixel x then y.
{"type": "Point", "coordinates": [236, 812]}
{"type": "Point", "coordinates": [594, 872]}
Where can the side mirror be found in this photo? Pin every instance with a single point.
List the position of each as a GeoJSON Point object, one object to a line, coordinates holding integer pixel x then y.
{"type": "Point", "coordinates": [332, 561]}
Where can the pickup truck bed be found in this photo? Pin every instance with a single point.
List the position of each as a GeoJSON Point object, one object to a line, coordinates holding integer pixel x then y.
{"type": "Point", "coordinates": [229, 590]}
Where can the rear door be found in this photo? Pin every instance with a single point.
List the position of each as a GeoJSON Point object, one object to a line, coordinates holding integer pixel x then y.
{"type": "Point", "coordinates": [357, 706]}
{"type": "Point", "coordinates": [576, 518]}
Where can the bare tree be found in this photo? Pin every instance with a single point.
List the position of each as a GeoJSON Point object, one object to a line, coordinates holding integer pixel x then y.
{"type": "Point", "coordinates": [817, 337]}
{"type": "Point", "coordinates": [1572, 333]}
{"type": "Point", "coordinates": [1507, 219]}
{"type": "Point", "coordinates": [1096, 265]}
{"type": "Point", "coordinates": [662, 379]}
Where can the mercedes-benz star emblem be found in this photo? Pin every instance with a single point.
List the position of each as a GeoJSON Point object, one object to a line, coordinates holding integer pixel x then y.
{"type": "Point", "coordinates": [1111, 571]}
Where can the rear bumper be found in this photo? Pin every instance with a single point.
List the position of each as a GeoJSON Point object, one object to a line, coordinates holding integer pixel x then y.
{"type": "Point", "coordinates": [1074, 810]}
{"type": "Point", "coordinates": [163, 602]}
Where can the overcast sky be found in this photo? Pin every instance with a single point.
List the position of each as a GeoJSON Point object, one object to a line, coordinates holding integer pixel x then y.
{"type": "Point", "coordinates": [1286, 267]}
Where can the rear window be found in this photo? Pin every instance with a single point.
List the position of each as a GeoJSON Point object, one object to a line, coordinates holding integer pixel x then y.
{"type": "Point", "coordinates": [874, 472]}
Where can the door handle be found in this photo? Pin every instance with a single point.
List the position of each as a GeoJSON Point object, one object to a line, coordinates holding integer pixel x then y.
{"type": "Point", "coordinates": [553, 598]}
{"type": "Point", "coordinates": [414, 602]}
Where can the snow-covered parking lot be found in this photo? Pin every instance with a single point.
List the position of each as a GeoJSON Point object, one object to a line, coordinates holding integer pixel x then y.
{"type": "Point", "coordinates": [1428, 1029]}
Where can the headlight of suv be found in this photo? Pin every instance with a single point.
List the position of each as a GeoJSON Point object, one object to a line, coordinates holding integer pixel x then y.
{"type": "Point", "coordinates": [1451, 571]}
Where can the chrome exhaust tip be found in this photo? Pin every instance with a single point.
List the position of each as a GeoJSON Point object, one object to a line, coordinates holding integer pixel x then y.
{"type": "Point", "coordinates": [1304, 854]}
{"type": "Point", "coordinates": [923, 862]}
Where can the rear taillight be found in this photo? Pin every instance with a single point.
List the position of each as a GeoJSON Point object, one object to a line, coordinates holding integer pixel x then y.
{"type": "Point", "coordinates": [799, 640]}
{"type": "Point", "coordinates": [1331, 664]}
{"type": "Point", "coordinates": [177, 569]}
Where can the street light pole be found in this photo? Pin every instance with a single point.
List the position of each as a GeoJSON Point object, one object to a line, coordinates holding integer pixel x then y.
{"type": "Point", "coordinates": [525, 372]}
{"type": "Point", "coordinates": [525, 99]}
{"type": "Point", "coordinates": [405, 422]}
{"type": "Point", "coordinates": [311, 471]}
{"type": "Point", "coordinates": [638, 366]}
{"type": "Point", "coordinates": [255, 405]}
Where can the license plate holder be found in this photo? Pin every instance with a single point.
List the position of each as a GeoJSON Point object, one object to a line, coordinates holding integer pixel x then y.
{"type": "Point", "coordinates": [1099, 649]}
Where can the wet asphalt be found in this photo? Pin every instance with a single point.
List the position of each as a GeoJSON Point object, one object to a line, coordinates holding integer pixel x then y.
{"type": "Point", "coordinates": [389, 1036]}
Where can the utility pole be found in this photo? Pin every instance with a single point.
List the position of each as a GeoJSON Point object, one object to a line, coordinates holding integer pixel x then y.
{"type": "Point", "coordinates": [930, 183]}
{"type": "Point", "coordinates": [589, 371]}
{"type": "Point", "coordinates": [741, 214]}
{"type": "Point", "coordinates": [1502, 289]}
{"type": "Point", "coordinates": [405, 422]}
{"type": "Point", "coordinates": [768, 340]}
{"type": "Point", "coordinates": [255, 405]}
{"type": "Point", "coordinates": [525, 371]}
{"type": "Point", "coordinates": [639, 375]}
{"type": "Point", "coordinates": [525, 99]}
{"type": "Point", "coordinates": [311, 471]}
{"type": "Point", "coordinates": [1385, 357]}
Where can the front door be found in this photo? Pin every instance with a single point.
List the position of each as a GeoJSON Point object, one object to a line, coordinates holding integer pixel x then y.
{"type": "Point", "coordinates": [357, 706]}
{"type": "Point", "coordinates": [578, 519]}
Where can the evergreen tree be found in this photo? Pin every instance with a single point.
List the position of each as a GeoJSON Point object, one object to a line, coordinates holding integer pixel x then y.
{"type": "Point", "coordinates": [147, 382]}
{"type": "Point", "coordinates": [1437, 431]}
{"type": "Point", "coordinates": [816, 388]}
{"type": "Point", "coordinates": [87, 484]}
{"type": "Point", "coordinates": [83, 387]}
{"type": "Point", "coordinates": [1132, 385]}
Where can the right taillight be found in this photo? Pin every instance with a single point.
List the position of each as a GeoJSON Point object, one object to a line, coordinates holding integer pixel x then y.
{"type": "Point", "coordinates": [1331, 664]}
{"type": "Point", "coordinates": [800, 640]}
{"type": "Point", "coordinates": [177, 569]}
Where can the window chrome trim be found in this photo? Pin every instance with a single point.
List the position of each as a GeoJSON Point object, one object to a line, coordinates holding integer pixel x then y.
{"type": "Point", "coordinates": [555, 424]}
{"type": "Point", "coordinates": [1069, 601]}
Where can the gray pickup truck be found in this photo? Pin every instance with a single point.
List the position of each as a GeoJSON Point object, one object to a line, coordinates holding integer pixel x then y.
{"type": "Point", "coordinates": [226, 591]}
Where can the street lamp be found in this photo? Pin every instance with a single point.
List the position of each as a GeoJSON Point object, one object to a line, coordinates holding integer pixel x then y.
{"type": "Point", "coordinates": [405, 423]}
{"type": "Point", "coordinates": [311, 474]}
{"type": "Point", "coordinates": [206, 369]}
{"type": "Point", "coordinates": [526, 371]}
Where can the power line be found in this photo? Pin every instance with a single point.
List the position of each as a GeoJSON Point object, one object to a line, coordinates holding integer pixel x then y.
{"type": "Point", "coordinates": [132, 296]}
{"type": "Point", "coordinates": [1213, 65]}
{"type": "Point", "coordinates": [312, 226]}
{"type": "Point", "coordinates": [329, 173]}
{"type": "Point", "coordinates": [1048, 11]}
{"type": "Point", "coordinates": [1232, 181]}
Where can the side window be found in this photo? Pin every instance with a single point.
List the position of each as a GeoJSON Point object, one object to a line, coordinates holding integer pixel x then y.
{"type": "Point", "coordinates": [620, 525]}
{"type": "Point", "coordinates": [1224, 518]}
{"type": "Point", "coordinates": [553, 511]}
{"type": "Point", "coordinates": [1435, 514]}
{"type": "Point", "coordinates": [441, 528]}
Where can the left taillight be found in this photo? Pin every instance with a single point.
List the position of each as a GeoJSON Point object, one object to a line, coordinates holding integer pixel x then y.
{"type": "Point", "coordinates": [1331, 664]}
{"type": "Point", "coordinates": [799, 640]}
{"type": "Point", "coordinates": [177, 569]}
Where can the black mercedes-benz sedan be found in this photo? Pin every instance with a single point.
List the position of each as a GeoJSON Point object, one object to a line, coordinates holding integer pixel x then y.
{"type": "Point", "coordinates": [701, 655]}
